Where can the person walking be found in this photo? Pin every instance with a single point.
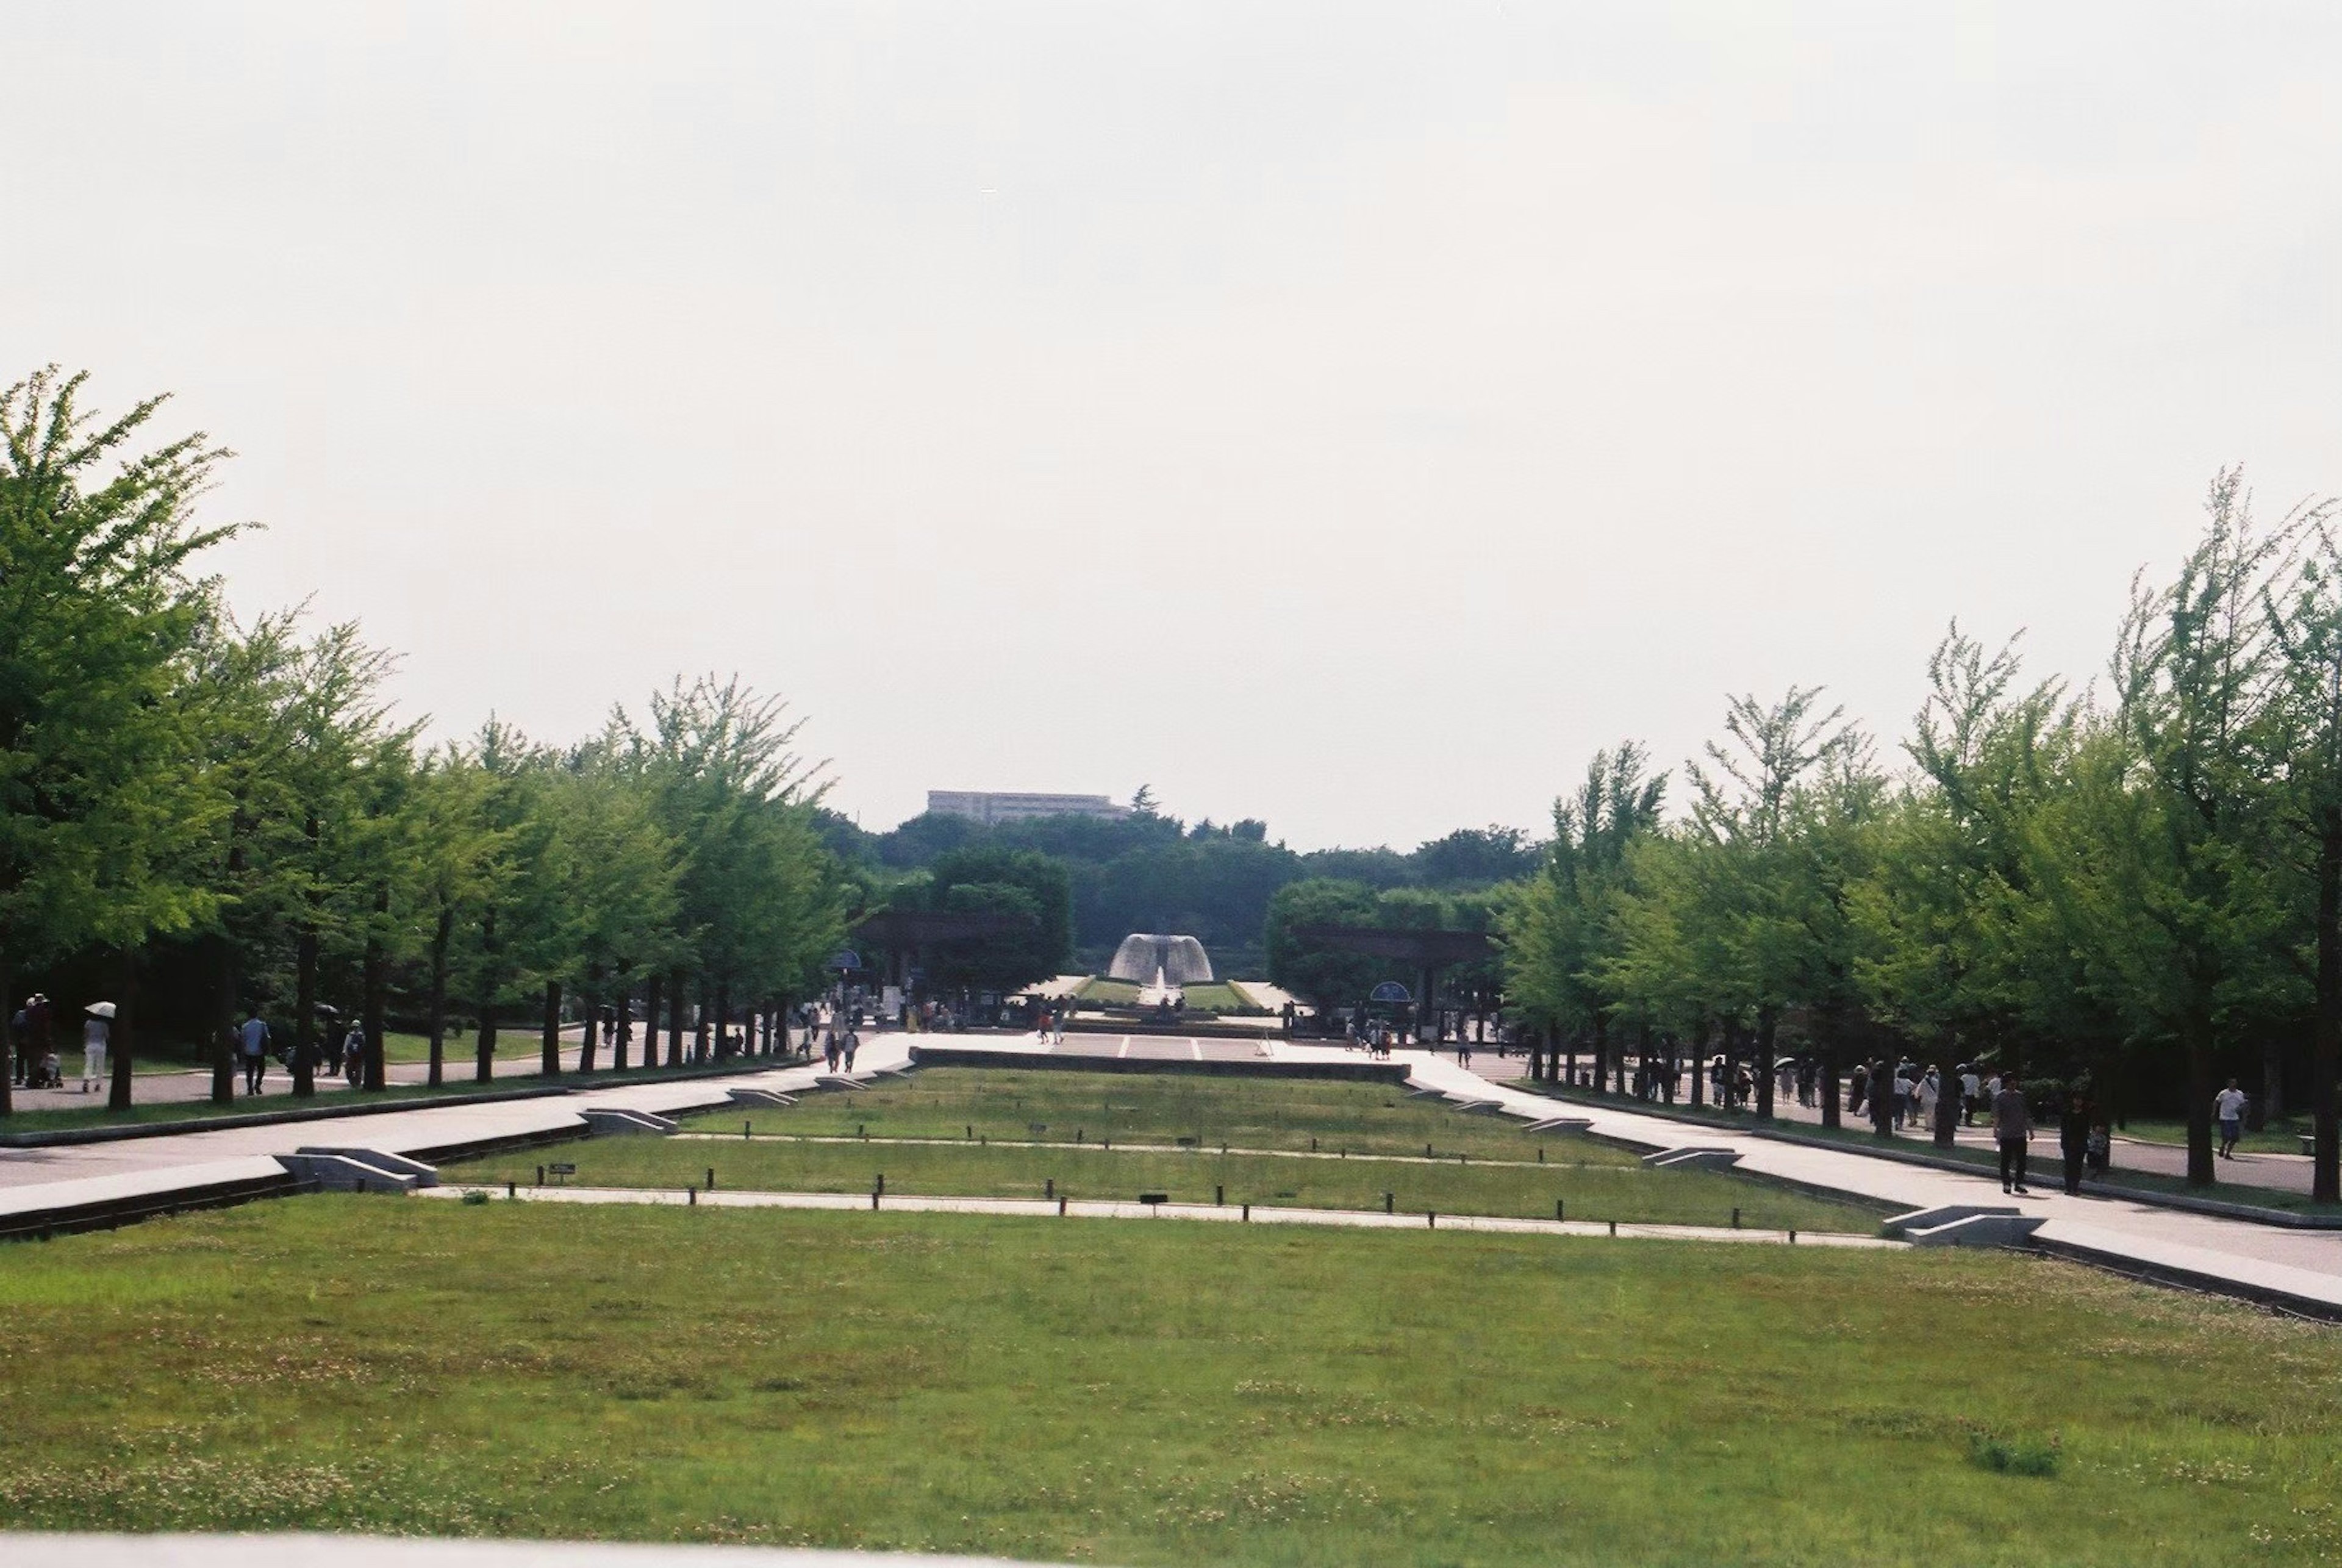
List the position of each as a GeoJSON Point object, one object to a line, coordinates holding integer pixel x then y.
{"type": "Point", "coordinates": [1971, 1090]}
{"type": "Point", "coordinates": [94, 1032]}
{"type": "Point", "coordinates": [2229, 1110]}
{"type": "Point", "coordinates": [2012, 1129]}
{"type": "Point", "coordinates": [253, 1039]}
{"type": "Point", "coordinates": [853, 1044]}
{"type": "Point", "coordinates": [1857, 1089]}
{"type": "Point", "coordinates": [2074, 1140]}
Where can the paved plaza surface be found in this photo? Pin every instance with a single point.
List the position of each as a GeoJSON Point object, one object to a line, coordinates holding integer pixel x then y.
{"type": "Point", "coordinates": [2305, 1265]}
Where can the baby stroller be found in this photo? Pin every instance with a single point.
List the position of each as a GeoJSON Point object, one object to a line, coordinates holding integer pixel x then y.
{"type": "Point", "coordinates": [49, 1072]}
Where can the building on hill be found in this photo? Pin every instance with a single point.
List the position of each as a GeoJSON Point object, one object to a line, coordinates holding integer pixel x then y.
{"type": "Point", "coordinates": [990, 806]}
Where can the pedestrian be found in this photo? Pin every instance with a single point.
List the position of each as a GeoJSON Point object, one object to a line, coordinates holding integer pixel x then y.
{"type": "Point", "coordinates": [2228, 1109]}
{"type": "Point", "coordinates": [1857, 1089]}
{"type": "Point", "coordinates": [2074, 1140]}
{"type": "Point", "coordinates": [2100, 1149]}
{"type": "Point", "coordinates": [853, 1044]}
{"type": "Point", "coordinates": [1902, 1095]}
{"type": "Point", "coordinates": [95, 1032]}
{"type": "Point", "coordinates": [353, 1047]}
{"type": "Point", "coordinates": [1882, 1098]}
{"type": "Point", "coordinates": [1970, 1087]}
{"type": "Point", "coordinates": [1923, 1094]}
{"type": "Point", "coordinates": [253, 1039]}
{"type": "Point", "coordinates": [20, 1030]}
{"type": "Point", "coordinates": [2012, 1129]}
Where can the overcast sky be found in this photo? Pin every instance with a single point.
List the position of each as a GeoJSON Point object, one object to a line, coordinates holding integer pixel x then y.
{"type": "Point", "coordinates": [1350, 415]}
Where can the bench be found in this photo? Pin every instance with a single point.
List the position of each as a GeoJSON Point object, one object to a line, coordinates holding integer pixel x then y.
{"type": "Point", "coordinates": [1151, 1199]}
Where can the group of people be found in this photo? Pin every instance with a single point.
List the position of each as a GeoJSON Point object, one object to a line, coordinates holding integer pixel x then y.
{"type": "Point", "coordinates": [838, 1050]}
{"type": "Point", "coordinates": [38, 1065]}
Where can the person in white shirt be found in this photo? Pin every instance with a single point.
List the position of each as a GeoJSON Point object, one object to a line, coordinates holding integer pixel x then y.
{"type": "Point", "coordinates": [1970, 1088]}
{"type": "Point", "coordinates": [94, 1035]}
{"type": "Point", "coordinates": [2228, 1109]}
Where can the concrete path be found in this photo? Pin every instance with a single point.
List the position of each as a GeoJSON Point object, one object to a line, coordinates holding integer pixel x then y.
{"type": "Point", "coordinates": [40, 1178]}
{"type": "Point", "coordinates": [1086, 1209]}
{"type": "Point", "coordinates": [2282, 1172]}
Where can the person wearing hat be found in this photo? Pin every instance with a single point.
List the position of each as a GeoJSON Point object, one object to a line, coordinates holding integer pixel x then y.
{"type": "Point", "coordinates": [96, 1030]}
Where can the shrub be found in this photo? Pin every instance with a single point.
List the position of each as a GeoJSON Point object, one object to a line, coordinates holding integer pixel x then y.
{"type": "Point", "coordinates": [2013, 1456]}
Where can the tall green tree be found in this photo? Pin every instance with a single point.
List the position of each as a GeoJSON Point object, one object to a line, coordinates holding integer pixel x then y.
{"type": "Point", "coordinates": [101, 793]}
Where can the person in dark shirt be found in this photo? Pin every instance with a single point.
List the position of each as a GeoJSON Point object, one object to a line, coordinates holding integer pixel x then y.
{"type": "Point", "coordinates": [2012, 1129]}
{"type": "Point", "coordinates": [2074, 1140]}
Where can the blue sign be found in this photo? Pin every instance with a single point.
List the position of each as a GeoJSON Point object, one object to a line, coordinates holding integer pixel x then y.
{"type": "Point", "coordinates": [846, 958]}
{"type": "Point", "coordinates": [1389, 991]}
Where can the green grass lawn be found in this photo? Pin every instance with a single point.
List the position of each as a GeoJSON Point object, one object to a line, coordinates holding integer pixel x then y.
{"type": "Point", "coordinates": [1155, 1108]}
{"type": "Point", "coordinates": [2282, 1136]}
{"type": "Point", "coordinates": [1145, 1393]}
{"type": "Point", "coordinates": [1605, 1186]}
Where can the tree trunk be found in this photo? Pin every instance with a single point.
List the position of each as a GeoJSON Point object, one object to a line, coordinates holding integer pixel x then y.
{"type": "Point", "coordinates": [1768, 1019]}
{"type": "Point", "coordinates": [1601, 1052]}
{"type": "Point", "coordinates": [1826, 1040]}
{"type": "Point", "coordinates": [549, 1059]}
{"type": "Point", "coordinates": [1947, 1094]}
{"type": "Point", "coordinates": [1700, 1038]}
{"type": "Point", "coordinates": [2270, 1106]}
{"type": "Point", "coordinates": [434, 1024]}
{"type": "Point", "coordinates": [622, 1024]}
{"type": "Point", "coordinates": [491, 982]}
{"type": "Point", "coordinates": [223, 1024]}
{"type": "Point", "coordinates": [589, 1008]}
{"type": "Point", "coordinates": [723, 1020]}
{"type": "Point", "coordinates": [304, 1025]}
{"type": "Point", "coordinates": [374, 1004]}
{"type": "Point", "coordinates": [2201, 1171]}
{"type": "Point", "coordinates": [651, 994]}
{"type": "Point", "coordinates": [675, 1020]}
{"type": "Point", "coordinates": [9, 1044]}
{"type": "Point", "coordinates": [699, 1029]}
{"type": "Point", "coordinates": [118, 1039]}
{"type": "Point", "coordinates": [2326, 1036]}
{"type": "Point", "coordinates": [1732, 1031]}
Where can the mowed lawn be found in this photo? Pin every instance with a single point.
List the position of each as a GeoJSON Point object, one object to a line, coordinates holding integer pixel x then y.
{"type": "Point", "coordinates": [1144, 1394]}
{"type": "Point", "coordinates": [1062, 1107]}
{"type": "Point", "coordinates": [1606, 1184]}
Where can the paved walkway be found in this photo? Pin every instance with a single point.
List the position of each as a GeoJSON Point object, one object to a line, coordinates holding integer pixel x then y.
{"type": "Point", "coordinates": [2277, 1172]}
{"type": "Point", "coordinates": [1222, 1214]}
{"type": "Point", "coordinates": [2304, 1264]}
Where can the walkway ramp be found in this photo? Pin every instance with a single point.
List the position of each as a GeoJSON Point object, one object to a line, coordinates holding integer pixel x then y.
{"type": "Point", "coordinates": [606, 1120]}
{"type": "Point", "coordinates": [1698, 1156]}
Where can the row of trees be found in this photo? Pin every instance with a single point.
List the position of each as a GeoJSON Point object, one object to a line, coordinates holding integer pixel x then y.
{"type": "Point", "coordinates": [2136, 887]}
{"type": "Point", "coordinates": [225, 817]}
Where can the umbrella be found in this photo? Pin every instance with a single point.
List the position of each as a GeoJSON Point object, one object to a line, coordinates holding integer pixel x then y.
{"type": "Point", "coordinates": [100, 1010]}
{"type": "Point", "coordinates": [326, 1009]}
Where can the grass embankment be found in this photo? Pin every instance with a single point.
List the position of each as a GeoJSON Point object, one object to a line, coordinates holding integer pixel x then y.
{"type": "Point", "coordinates": [1210, 996]}
{"type": "Point", "coordinates": [1597, 1189]}
{"type": "Point", "coordinates": [2046, 1163]}
{"type": "Point", "coordinates": [1145, 1393]}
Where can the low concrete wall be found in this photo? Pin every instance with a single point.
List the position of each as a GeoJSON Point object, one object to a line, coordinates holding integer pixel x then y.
{"type": "Point", "coordinates": [1393, 1073]}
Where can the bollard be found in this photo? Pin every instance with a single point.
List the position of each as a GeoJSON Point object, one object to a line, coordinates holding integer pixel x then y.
{"type": "Point", "coordinates": [1735, 1219]}
{"type": "Point", "coordinates": [862, 1128]}
{"type": "Point", "coordinates": [1077, 1135]}
{"type": "Point", "coordinates": [745, 1129]}
{"type": "Point", "coordinates": [1430, 1219]}
{"type": "Point", "coordinates": [874, 1198]}
{"type": "Point", "coordinates": [1247, 1214]}
{"type": "Point", "coordinates": [1426, 1151]}
{"type": "Point", "coordinates": [1061, 1208]}
{"type": "Point", "coordinates": [1345, 1151]}
{"type": "Point", "coordinates": [1389, 1203]}
{"type": "Point", "coordinates": [540, 1175]}
{"type": "Point", "coordinates": [710, 1178]}
{"type": "Point", "coordinates": [512, 1189]}
{"type": "Point", "coordinates": [1460, 1157]}
{"type": "Point", "coordinates": [1219, 1196]}
{"type": "Point", "coordinates": [1313, 1145]}
{"type": "Point", "coordinates": [971, 1130]}
{"type": "Point", "coordinates": [1613, 1227]}
{"type": "Point", "coordinates": [691, 1197]}
{"type": "Point", "coordinates": [1556, 1211]}
{"type": "Point", "coordinates": [882, 1181]}
{"type": "Point", "coordinates": [1540, 1154]}
{"type": "Point", "coordinates": [1106, 1142]}
{"type": "Point", "coordinates": [1793, 1238]}
{"type": "Point", "coordinates": [1051, 1190]}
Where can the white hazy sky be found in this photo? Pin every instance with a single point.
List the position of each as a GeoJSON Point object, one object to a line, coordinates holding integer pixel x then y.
{"type": "Point", "coordinates": [1347, 414]}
